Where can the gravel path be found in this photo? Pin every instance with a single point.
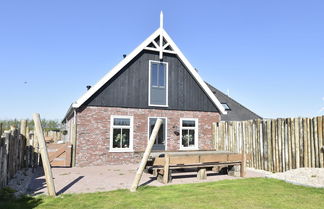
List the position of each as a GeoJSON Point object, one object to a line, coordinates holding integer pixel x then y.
{"type": "Point", "coordinates": [311, 177]}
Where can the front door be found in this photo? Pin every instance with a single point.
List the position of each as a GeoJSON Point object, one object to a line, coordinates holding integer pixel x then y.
{"type": "Point", "coordinates": [161, 137]}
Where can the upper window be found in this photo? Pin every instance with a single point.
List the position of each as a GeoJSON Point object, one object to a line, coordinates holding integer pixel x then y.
{"type": "Point", "coordinates": [121, 133]}
{"type": "Point", "coordinates": [189, 134]}
{"type": "Point", "coordinates": [226, 107]}
{"type": "Point", "coordinates": [158, 83]}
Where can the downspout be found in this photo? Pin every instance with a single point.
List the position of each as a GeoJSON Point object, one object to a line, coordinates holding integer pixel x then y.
{"type": "Point", "coordinates": [74, 137]}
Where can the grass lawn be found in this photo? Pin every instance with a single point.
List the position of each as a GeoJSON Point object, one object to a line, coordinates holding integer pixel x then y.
{"type": "Point", "coordinates": [242, 193]}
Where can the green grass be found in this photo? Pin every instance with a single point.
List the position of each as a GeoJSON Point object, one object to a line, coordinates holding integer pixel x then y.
{"type": "Point", "coordinates": [244, 193]}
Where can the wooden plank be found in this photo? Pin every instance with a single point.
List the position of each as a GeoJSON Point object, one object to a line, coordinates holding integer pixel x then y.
{"type": "Point", "coordinates": [290, 141]}
{"type": "Point", "coordinates": [234, 157]}
{"type": "Point", "coordinates": [74, 140]}
{"type": "Point", "coordinates": [265, 145]}
{"type": "Point", "coordinates": [213, 158]}
{"type": "Point", "coordinates": [286, 145]}
{"type": "Point", "coordinates": [68, 155]}
{"type": "Point", "coordinates": [184, 159]}
{"type": "Point", "coordinates": [279, 150]}
{"type": "Point", "coordinates": [305, 139]}
{"type": "Point", "coordinates": [274, 147]}
{"type": "Point", "coordinates": [166, 169]}
{"type": "Point", "coordinates": [58, 152]}
{"type": "Point", "coordinates": [312, 144]}
{"type": "Point", "coordinates": [320, 127]}
{"type": "Point", "coordinates": [202, 174]}
{"type": "Point", "coordinates": [270, 168]}
{"type": "Point", "coordinates": [243, 165]}
{"type": "Point", "coordinates": [309, 155]}
{"type": "Point", "coordinates": [43, 150]}
{"type": "Point", "coordinates": [316, 148]}
{"type": "Point", "coordinates": [322, 145]}
{"type": "Point", "coordinates": [297, 140]}
{"type": "Point", "coordinates": [215, 135]}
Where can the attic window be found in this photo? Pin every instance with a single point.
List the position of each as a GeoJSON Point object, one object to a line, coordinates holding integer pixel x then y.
{"type": "Point", "coordinates": [158, 83]}
{"type": "Point", "coordinates": [226, 107]}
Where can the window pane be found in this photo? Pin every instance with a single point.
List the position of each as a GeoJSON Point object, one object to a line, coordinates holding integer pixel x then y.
{"type": "Point", "coordinates": [121, 121]}
{"type": "Point", "coordinates": [185, 138]}
{"type": "Point", "coordinates": [160, 139]}
{"type": "Point", "coordinates": [116, 138]}
{"type": "Point", "coordinates": [191, 137]}
{"type": "Point", "coordinates": [125, 138]}
{"type": "Point", "coordinates": [188, 123]}
{"type": "Point", "coordinates": [154, 74]}
{"type": "Point", "coordinates": [161, 75]}
{"type": "Point", "coordinates": [226, 107]}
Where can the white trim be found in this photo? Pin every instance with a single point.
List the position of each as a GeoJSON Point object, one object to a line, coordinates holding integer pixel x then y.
{"type": "Point", "coordinates": [166, 84]}
{"type": "Point", "coordinates": [196, 134]}
{"type": "Point", "coordinates": [165, 127]}
{"type": "Point", "coordinates": [157, 50]}
{"type": "Point", "coordinates": [131, 128]}
{"type": "Point", "coordinates": [135, 52]}
{"type": "Point", "coordinates": [155, 44]}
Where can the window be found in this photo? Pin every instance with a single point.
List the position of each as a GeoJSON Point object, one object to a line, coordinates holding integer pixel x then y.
{"type": "Point", "coordinates": [189, 133]}
{"type": "Point", "coordinates": [158, 83]}
{"type": "Point", "coordinates": [226, 107]}
{"type": "Point", "coordinates": [160, 140]}
{"type": "Point", "coordinates": [121, 133]}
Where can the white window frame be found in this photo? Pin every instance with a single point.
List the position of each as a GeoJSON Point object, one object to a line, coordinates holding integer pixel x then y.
{"type": "Point", "coordinates": [112, 126]}
{"type": "Point", "coordinates": [192, 128]}
{"type": "Point", "coordinates": [166, 129]}
{"type": "Point", "coordinates": [166, 84]}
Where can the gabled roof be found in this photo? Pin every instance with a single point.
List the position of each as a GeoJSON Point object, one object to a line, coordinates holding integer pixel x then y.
{"type": "Point", "coordinates": [161, 42]}
{"type": "Point", "coordinates": [237, 111]}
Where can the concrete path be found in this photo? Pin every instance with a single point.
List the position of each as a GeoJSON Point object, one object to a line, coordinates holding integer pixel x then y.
{"type": "Point", "coordinates": [112, 177]}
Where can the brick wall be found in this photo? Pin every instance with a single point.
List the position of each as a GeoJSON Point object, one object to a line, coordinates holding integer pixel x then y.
{"type": "Point", "coordinates": [93, 133]}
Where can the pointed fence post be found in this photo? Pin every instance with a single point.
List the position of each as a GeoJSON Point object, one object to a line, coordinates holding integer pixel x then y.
{"type": "Point", "coordinates": [146, 155]}
{"type": "Point", "coordinates": [44, 155]}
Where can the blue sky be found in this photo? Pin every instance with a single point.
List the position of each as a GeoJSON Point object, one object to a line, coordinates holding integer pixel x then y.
{"type": "Point", "coordinates": [268, 54]}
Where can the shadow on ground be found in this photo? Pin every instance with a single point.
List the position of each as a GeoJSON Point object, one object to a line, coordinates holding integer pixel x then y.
{"type": "Point", "coordinates": [8, 200]}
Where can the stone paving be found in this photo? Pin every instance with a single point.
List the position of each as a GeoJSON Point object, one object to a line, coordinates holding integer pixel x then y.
{"type": "Point", "coordinates": [112, 177]}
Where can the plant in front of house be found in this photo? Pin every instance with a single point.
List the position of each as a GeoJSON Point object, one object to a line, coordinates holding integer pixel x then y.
{"type": "Point", "coordinates": [121, 140]}
{"type": "Point", "coordinates": [187, 140]}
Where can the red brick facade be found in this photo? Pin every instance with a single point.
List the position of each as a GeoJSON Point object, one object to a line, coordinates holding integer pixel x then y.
{"type": "Point", "coordinates": [93, 133]}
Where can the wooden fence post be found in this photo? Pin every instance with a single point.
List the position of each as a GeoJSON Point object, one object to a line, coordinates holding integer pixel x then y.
{"type": "Point", "coordinates": [166, 169]}
{"type": "Point", "coordinates": [44, 154]}
{"type": "Point", "coordinates": [320, 140]}
{"type": "Point", "coordinates": [146, 155]}
{"type": "Point", "coordinates": [74, 144]}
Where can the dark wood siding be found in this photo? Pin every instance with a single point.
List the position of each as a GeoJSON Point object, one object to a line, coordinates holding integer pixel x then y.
{"type": "Point", "coordinates": [129, 88]}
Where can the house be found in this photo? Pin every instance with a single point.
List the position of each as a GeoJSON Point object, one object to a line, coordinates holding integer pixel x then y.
{"type": "Point", "coordinates": [235, 111]}
{"type": "Point", "coordinates": [113, 120]}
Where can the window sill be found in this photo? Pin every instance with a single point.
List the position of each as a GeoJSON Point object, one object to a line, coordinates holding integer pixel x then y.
{"type": "Point", "coordinates": [153, 105]}
{"type": "Point", "coordinates": [121, 150]}
{"type": "Point", "coordinates": [189, 148]}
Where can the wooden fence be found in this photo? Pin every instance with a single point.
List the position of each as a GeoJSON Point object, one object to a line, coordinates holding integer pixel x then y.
{"type": "Point", "coordinates": [16, 152]}
{"type": "Point", "coordinates": [276, 145]}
